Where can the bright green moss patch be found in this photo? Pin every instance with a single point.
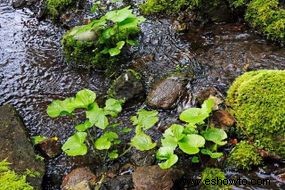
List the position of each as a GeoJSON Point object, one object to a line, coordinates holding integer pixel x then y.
{"type": "Point", "coordinates": [257, 100]}
{"type": "Point", "coordinates": [168, 6]}
{"type": "Point", "coordinates": [244, 156]}
{"type": "Point", "coordinates": [267, 16]}
{"type": "Point", "coordinates": [55, 7]}
{"type": "Point", "coordinates": [11, 180]}
{"type": "Point", "coordinates": [210, 175]}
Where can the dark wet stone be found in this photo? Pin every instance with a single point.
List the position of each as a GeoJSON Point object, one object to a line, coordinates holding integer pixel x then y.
{"type": "Point", "coordinates": [21, 3]}
{"type": "Point", "coordinates": [50, 147]}
{"type": "Point", "coordinates": [18, 3]}
{"type": "Point", "coordinates": [16, 147]}
{"type": "Point", "coordinates": [152, 177]}
{"type": "Point", "coordinates": [166, 92]}
{"type": "Point", "coordinates": [79, 179]}
{"type": "Point", "coordinates": [223, 118]}
{"type": "Point", "coordinates": [143, 158]}
{"type": "Point", "coordinates": [127, 86]}
{"type": "Point", "coordinates": [120, 182]}
{"type": "Point", "coordinates": [206, 93]}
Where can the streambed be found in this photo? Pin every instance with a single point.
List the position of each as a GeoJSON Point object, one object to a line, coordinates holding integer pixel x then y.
{"type": "Point", "coordinates": [33, 72]}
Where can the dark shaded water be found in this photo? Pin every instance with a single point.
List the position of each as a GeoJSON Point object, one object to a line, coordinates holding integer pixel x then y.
{"type": "Point", "coordinates": [32, 70]}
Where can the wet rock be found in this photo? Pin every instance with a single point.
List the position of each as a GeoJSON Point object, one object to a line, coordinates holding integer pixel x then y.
{"type": "Point", "coordinates": [22, 3]}
{"type": "Point", "coordinates": [18, 3]}
{"type": "Point", "coordinates": [16, 147]}
{"type": "Point", "coordinates": [50, 147]}
{"type": "Point", "coordinates": [79, 179]}
{"type": "Point", "coordinates": [206, 93]}
{"type": "Point", "coordinates": [223, 118]}
{"type": "Point", "coordinates": [127, 86]}
{"type": "Point", "coordinates": [143, 158]}
{"type": "Point", "coordinates": [280, 175]}
{"type": "Point", "coordinates": [152, 177]}
{"type": "Point", "coordinates": [121, 182]}
{"type": "Point", "coordinates": [166, 92]}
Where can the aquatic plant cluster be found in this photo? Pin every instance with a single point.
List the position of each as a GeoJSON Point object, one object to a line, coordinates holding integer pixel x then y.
{"type": "Point", "coordinates": [189, 138]}
{"type": "Point", "coordinates": [101, 41]}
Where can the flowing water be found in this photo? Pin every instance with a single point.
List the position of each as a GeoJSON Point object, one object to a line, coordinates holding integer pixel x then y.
{"type": "Point", "coordinates": [33, 71]}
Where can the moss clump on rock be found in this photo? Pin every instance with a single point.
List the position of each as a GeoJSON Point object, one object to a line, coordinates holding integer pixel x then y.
{"type": "Point", "coordinates": [214, 175]}
{"type": "Point", "coordinates": [55, 7]}
{"type": "Point", "coordinates": [101, 41]}
{"type": "Point", "coordinates": [257, 100]}
{"type": "Point", "coordinates": [11, 180]}
{"type": "Point", "coordinates": [267, 16]}
{"type": "Point", "coordinates": [244, 156]}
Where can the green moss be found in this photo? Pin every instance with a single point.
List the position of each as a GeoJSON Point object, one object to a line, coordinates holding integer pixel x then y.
{"type": "Point", "coordinates": [11, 180]}
{"type": "Point", "coordinates": [168, 6]}
{"type": "Point", "coordinates": [244, 156]}
{"type": "Point", "coordinates": [55, 7]}
{"type": "Point", "coordinates": [257, 100]}
{"type": "Point", "coordinates": [214, 175]}
{"type": "Point", "coordinates": [100, 42]}
{"type": "Point", "coordinates": [267, 16]}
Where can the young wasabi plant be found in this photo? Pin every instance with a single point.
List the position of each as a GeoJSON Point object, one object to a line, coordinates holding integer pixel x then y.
{"type": "Point", "coordinates": [189, 139]}
{"type": "Point", "coordinates": [96, 118]}
{"type": "Point", "coordinates": [102, 40]}
{"type": "Point", "coordinates": [143, 121]}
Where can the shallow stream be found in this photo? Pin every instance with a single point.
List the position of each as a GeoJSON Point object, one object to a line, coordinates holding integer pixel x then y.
{"type": "Point", "coordinates": [33, 71]}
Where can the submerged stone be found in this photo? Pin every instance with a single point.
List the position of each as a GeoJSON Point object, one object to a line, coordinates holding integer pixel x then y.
{"type": "Point", "coordinates": [16, 147]}
{"type": "Point", "coordinates": [166, 92]}
{"type": "Point", "coordinates": [127, 86]}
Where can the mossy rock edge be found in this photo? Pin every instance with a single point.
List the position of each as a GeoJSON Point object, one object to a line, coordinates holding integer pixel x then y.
{"type": "Point", "coordinates": [257, 100]}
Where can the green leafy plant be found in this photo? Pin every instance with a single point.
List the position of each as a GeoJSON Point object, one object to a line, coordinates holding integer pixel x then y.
{"type": "Point", "coordinates": [96, 118]}
{"type": "Point", "coordinates": [189, 139]}
{"type": "Point", "coordinates": [143, 121]}
{"type": "Point", "coordinates": [102, 40]}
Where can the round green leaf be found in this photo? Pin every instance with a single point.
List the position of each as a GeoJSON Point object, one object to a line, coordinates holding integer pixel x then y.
{"type": "Point", "coordinates": [142, 142]}
{"type": "Point", "coordinates": [102, 143]}
{"type": "Point", "coordinates": [75, 146]}
{"type": "Point", "coordinates": [113, 107]}
{"type": "Point", "coordinates": [193, 115]}
{"type": "Point", "coordinates": [169, 162]}
{"type": "Point", "coordinates": [97, 117]}
{"type": "Point", "coordinates": [84, 98]}
{"type": "Point", "coordinates": [84, 126]}
{"type": "Point", "coordinates": [215, 135]}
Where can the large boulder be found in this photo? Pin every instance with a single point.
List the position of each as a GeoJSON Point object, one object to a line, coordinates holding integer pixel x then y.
{"type": "Point", "coordinates": [257, 100]}
{"type": "Point", "coordinates": [16, 147]}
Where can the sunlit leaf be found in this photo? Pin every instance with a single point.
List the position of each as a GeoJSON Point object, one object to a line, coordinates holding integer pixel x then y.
{"type": "Point", "coordinates": [215, 135]}
{"type": "Point", "coordinates": [97, 117]}
{"type": "Point", "coordinates": [113, 107]}
{"type": "Point", "coordinates": [84, 126]}
{"type": "Point", "coordinates": [142, 142]}
{"type": "Point", "coordinates": [167, 155]}
{"type": "Point", "coordinates": [75, 144]}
